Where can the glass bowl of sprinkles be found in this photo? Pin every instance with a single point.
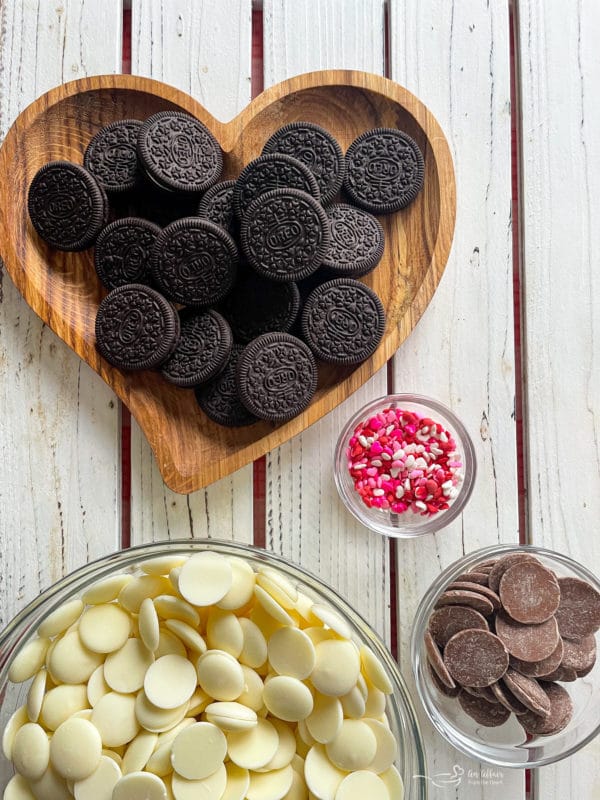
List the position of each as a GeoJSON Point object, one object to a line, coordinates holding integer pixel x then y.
{"type": "Point", "coordinates": [503, 650]}
{"type": "Point", "coordinates": [405, 465]}
{"type": "Point", "coordinates": [200, 668]}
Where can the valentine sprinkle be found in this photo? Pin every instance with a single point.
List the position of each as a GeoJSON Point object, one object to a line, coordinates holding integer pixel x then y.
{"type": "Point", "coordinates": [402, 461]}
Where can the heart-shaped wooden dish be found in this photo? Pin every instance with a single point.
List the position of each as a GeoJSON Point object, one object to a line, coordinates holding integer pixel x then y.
{"type": "Point", "coordinates": [63, 290]}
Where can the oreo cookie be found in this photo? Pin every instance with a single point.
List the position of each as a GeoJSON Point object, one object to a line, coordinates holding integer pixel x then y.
{"type": "Point", "coordinates": [202, 351]}
{"type": "Point", "coordinates": [160, 206]}
{"type": "Point", "coordinates": [219, 399]}
{"type": "Point", "coordinates": [136, 328]}
{"type": "Point", "coordinates": [178, 153]}
{"type": "Point", "coordinates": [343, 321]}
{"type": "Point", "coordinates": [66, 206]}
{"type": "Point", "coordinates": [384, 170]}
{"type": "Point", "coordinates": [285, 235]}
{"type": "Point", "coordinates": [316, 148]}
{"type": "Point", "coordinates": [357, 241]}
{"type": "Point", "coordinates": [274, 171]}
{"type": "Point", "coordinates": [123, 250]}
{"type": "Point", "coordinates": [194, 262]}
{"type": "Point", "coordinates": [111, 156]}
{"type": "Point", "coordinates": [276, 377]}
{"type": "Point", "coordinates": [217, 206]}
{"type": "Point", "coordinates": [256, 306]}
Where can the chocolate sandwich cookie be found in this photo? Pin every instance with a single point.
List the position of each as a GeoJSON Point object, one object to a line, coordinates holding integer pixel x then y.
{"type": "Point", "coordinates": [357, 241]}
{"type": "Point", "coordinates": [178, 152]}
{"type": "Point", "coordinates": [285, 235]}
{"type": "Point", "coordinates": [160, 206]}
{"type": "Point", "coordinates": [316, 148]}
{"type": "Point", "coordinates": [122, 252]}
{"type": "Point", "coordinates": [384, 170]}
{"type": "Point", "coordinates": [136, 328]}
{"type": "Point", "coordinates": [194, 262]}
{"type": "Point", "coordinates": [216, 205]}
{"type": "Point", "coordinates": [111, 156]}
{"type": "Point", "coordinates": [343, 321]}
{"type": "Point", "coordinates": [276, 377]}
{"type": "Point", "coordinates": [273, 171]}
{"type": "Point", "coordinates": [256, 305]}
{"type": "Point", "coordinates": [220, 400]}
{"type": "Point", "coordinates": [66, 206]}
{"type": "Point", "coordinates": [202, 351]}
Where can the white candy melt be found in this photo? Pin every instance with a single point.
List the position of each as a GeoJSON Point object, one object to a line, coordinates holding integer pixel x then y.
{"type": "Point", "coordinates": [205, 578]}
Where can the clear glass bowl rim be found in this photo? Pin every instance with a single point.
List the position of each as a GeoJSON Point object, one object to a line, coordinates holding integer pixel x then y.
{"type": "Point", "coordinates": [439, 521]}
{"type": "Point", "coordinates": [24, 624]}
{"type": "Point", "coordinates": [419, 625]}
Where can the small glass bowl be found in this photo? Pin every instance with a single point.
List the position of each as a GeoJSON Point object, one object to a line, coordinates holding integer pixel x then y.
{"type": "Point", "coordinates": [408, 523]}
{"type": "Point", "coordinates": [399, 709]}
{"type": "Point", "coordinates": [507, 745]}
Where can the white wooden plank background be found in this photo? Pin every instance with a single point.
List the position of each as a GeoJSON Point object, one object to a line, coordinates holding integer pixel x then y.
{"type": "Point", "coordinates": [305, 519]}
{"type": "Point", "coordinates": [455, 57]}
{"type": "Point", "coordinates": [59, 427]}
{"type": "Point", "coordinates": [560, 106]}
{"type": "Point", "coordinates": [204, 48]}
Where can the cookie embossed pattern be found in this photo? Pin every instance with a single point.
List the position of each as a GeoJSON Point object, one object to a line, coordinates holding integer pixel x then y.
{"type": "Point", "coordinates": [504, 649]}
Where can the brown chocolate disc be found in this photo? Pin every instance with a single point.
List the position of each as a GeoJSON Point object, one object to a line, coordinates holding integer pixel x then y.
{"type": "Point", "coordinates": [528, 691]}
{"type": "Point", "coordinates": [562, 674]}
{"type": "Point", "coordinates": [436, 661]}
{"type": "Point", "coordinates": [491, 562]}
{"type": "Point", "coordinates": [539, 669]}
{"type": "Point", "coordinates": [561, 711]}
{"type": "Point", "coordinates": [529, 592]}
{"type": "Point", "coordinates": [527, 642]}
{"type": "Point", "coordinates": [475, 658]}
{"type": "Point", "coordinates": [505, 563]}
{"type": "Point", "coordinates": [581, 673]}
{"type": "Point", "coordinates": [578, 613]}
{"type": "Point", "coordinates": [441, 687]}
{"type": "Point", "coordinates": [460, 597]}
{"type": "Point", "coordinates": [484, 692]}
{"type": "Point", "coordinates": [448, 620]}
{"type": "Point", "coordinates": [478, 589]}
{"type": "Point", "coordinates": [580, 656]}
{"type": "Point", "coordinates": [489, 714]}
{"type": "Point", "coordinates": [473, 577]}
{"type": "Point", "coordinates": [504, 696]}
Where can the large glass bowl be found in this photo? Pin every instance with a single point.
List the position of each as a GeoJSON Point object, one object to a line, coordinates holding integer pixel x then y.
{"type": "Point", "coordinates": [406, 524]}
{"type": "Point", "coordinates": [400, 712]}
{"type": "Point", "coordinates": [507, 745]}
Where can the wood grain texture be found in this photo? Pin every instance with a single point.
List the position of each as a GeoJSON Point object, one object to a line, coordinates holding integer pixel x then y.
{"type": "Point", "coordinates": [455, 57]}
{"type": "Point", "coordinates": [59, 433]}
{"type": "Point", "coordinates": [306, 520]}
{"type": "Point", "coordinates": [203, 48]}
{"type": "Point", "coordinates": [64, 290]}
{"type": "Point", "coordinates": [560, 120]}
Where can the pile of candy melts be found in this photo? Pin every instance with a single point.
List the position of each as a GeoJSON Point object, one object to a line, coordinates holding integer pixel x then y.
{"type": "Point", "coordinates": [197, 678]}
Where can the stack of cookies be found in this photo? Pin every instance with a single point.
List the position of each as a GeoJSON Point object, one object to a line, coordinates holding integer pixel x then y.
{"type": "Point", "coordinates": [233, 288]}
{"type": "Point", "coordinates": [506, 634]}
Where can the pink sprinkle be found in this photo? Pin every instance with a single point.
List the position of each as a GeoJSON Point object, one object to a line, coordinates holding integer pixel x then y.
{"type": "Point", "coordinates": [376, 449]}
{"type": "Point", "coordinates": [375, 423]}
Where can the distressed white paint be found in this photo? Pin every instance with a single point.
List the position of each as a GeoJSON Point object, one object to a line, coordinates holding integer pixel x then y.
{"type": "Point", "coordinates": [455, 57]}
{"type": "Point", "coordinates": [59, 425]}
{"type": "Point", "coordinates": [204, 48]}
{"type": "Point", "coordinates": [560, 108]}
{"type": "Point", "coordinates": [305, 519]}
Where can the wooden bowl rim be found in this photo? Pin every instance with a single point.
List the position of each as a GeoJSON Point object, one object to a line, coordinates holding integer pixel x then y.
{"type": "Point", "coordinates": [438, 149]}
